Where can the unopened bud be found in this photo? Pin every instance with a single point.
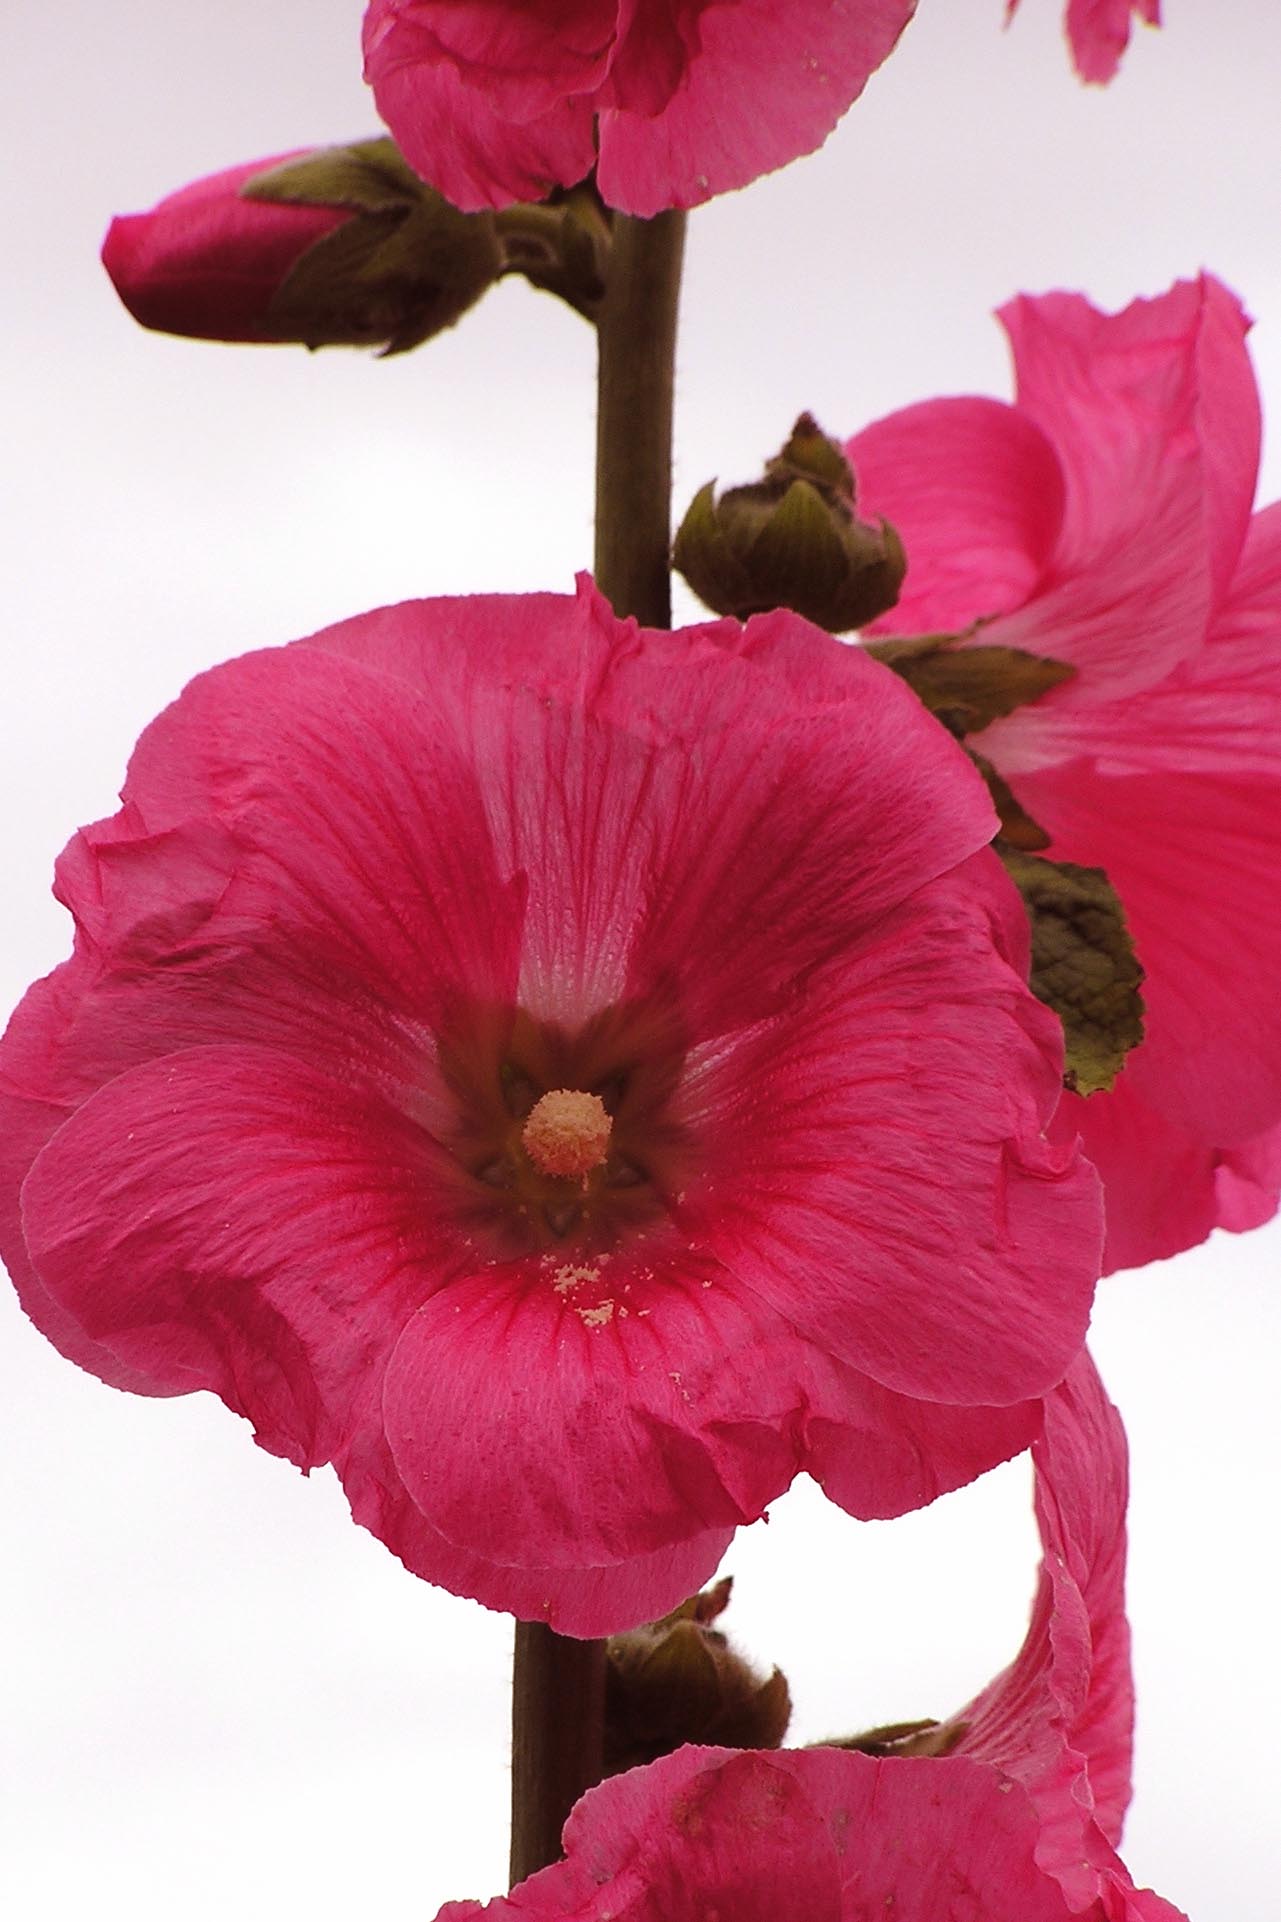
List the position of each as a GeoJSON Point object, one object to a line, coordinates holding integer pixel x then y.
{"type": "Point", "coordinates": [333, 246]}
{"type": "Point", "coordinates": [792, 539]}
{"type": "Point", "coordinates": [678, 1680]}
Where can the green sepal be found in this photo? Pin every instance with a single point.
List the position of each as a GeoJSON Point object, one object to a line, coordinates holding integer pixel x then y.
{"type": "Point", "coordinates": [969, 687]}
{"type": "Point", "coordinates": [369, 176]}
{"type": "Point", "coordinates": [1083, 964]}
{"type": "Point", "coordinates": [1017, 825]}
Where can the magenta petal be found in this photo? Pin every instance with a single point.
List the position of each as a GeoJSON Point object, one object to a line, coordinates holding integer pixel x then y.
{"type": "Point", "coordinates": [572, 1412]}
{"type": "Point", "coordinates": [1155, 418]}
{"type": "Point", "coordinates": [1060, 1719]}
{"type": "Point", "coordinates": [573, 1601]}
{"type": "Point", "coordinates": [975, 490]}
{"type": "Point", "coordinates": [892, 1203]}
{"type": "Point", "coordinates": [1099, 33]}
{"type": "Point", "coordinates": [251, 1227]}
{"type": "Point", "coordinates": [790, 1838]}
{"type": "Point", "coordinates": [768, 82]}
{"type": "Point", "coordinates": [455, 137]}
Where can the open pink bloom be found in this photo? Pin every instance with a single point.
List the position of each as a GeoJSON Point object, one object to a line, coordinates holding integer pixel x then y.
{"type": "Point", "coordinates": [206, 262]}
{"type": "Point", "coordinates": [1098, 32]}
{"type": "Point", "coordinates": [1016, 1824]}
{"type": "Point", "coordinates": [675, 100]}
{"type": "Point", "coordinates": [281, 1131]}
{"type": "Point", "coordinates": [1104, 519]}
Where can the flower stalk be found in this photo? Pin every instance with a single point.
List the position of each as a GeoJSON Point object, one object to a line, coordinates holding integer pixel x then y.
{"type": "Point", "coordinates": [635, 381]}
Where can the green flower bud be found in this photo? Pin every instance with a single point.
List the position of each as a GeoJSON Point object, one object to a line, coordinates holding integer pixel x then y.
{"type": "Point", "coordinates": [792, 539]}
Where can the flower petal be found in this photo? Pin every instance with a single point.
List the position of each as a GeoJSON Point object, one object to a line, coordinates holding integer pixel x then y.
{"type": "Point", "coordinates": [252, 1227]}
{"type": "Point", "coordinates": [975, 490]}
{"type": "Point", "coordinates": [880, 1175]}
{"type": "Point", "coordinates": [1155, 417]}
{"type": "Point", "coordinates": [573, 1601]}
{"type": "Point", "coordinates": [766, 84]}
{"type": "Point", "coordinates": [485, 137]}
{"type": "Point", "coordinates": [561, 1411]}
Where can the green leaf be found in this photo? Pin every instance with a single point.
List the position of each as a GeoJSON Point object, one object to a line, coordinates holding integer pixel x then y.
{"type": "Point", "coordinates": [1083, 964]}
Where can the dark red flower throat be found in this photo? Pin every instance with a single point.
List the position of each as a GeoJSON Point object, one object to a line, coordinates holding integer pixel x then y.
{"type": "Point", "coordinates": [583, 1170]}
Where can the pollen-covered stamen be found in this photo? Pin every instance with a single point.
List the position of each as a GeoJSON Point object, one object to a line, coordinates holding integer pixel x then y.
{"type": "Point", "coordinates": [567, 1132]}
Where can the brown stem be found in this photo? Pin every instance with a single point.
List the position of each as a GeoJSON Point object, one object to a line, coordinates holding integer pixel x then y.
{"type": "Point", "coordinates": [637, 330]}
{"type": "Point", "coordinates": [558, 1718]}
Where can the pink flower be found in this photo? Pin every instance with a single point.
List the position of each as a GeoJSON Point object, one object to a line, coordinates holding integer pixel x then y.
{"type": "Point", "coordinates": [1098, 32]}
{"type": "Point", "coordinates": [677, 99]}
{"type": "Point", "coordinates": [1104, 519]}
{"type": "Point", "coordinates": [1016, 1824]}
{"type": "Point", "coordinates": [244, 256]}
{"type": "Point", "coordinates": [280, 1127]}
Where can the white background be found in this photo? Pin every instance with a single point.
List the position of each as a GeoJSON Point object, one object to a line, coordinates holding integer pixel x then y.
{"type": "Point", "coordinates": [220, 1698]}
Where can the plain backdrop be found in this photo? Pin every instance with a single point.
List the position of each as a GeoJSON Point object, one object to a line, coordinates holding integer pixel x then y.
{"type": "Point", "coordinates": [220, 1698]}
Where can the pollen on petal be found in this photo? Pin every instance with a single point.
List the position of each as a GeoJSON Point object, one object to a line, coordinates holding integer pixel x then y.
{"type": "Point", "coordinates": [567, 1132]}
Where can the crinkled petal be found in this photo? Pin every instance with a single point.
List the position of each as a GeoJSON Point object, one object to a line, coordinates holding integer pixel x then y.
{"type": "Point", "coordinates": [976, 492]}
{"type": "Point", "coordinates": [791, 1837]}
{"type": "Point", "coordinates": [1154, 414]}
{"type": "Point", "coordinates": [1248, 1183]}
{"type": "Point", "coordinates": [767, 84]}
{"type": "Point", "coordinates": [879, 1173]}
{"type": "Point", "coordinates": [1160, 1184]}
{"type": "Point", "coordinates": [251, 1227]}
{"type": "Point", "coordinates": [723, 841]}
{"type": "Point", "coordinates": [589, 1406]}
{"type": "Point", "coordinates": [573, 1601]}
{"type": "Point", "coordinates": [28, 1118]}
{"type": "Point", "coordinates": [481, 147]}
{"type": "Point", "coordinates": [1060, 1719]}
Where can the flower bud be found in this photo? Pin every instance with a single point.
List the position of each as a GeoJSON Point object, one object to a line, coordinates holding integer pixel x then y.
{"type": "Point", "coordinates": [678, 1680]}
{"type": "Point", "coordinates": [334, 246]}
{"type": "Point", "coordinates": [792, 539]}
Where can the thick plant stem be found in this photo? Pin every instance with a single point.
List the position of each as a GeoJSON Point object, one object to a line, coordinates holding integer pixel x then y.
{"type": "Point", "coordinates": [558, 1722]}
{"type": "Point", "coordinates": [637, 332]}
{"type": "Point", "coordinates": [558, 1684]}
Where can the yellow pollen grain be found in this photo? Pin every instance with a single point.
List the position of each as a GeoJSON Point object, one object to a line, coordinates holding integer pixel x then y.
{"type": "Point", "coordinates": [567, 1278]}
{"type": "Point", "coordinates": [567, 1132]}
{"type": "Point", "coordinates": [597, 1317]}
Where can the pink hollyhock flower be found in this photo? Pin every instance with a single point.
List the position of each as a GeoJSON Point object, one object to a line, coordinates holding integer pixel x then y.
{"type": "Point", "coordinates": [218, 260]}
{"type": "Point", "coordinates": [1104, 519]}
{"type": "Point", "coordinates": [570, 1077]}
{"type": "Point", "coordinates": [672, 100]}
{"type": "Point", "coordinates": [1016, 1824]}
{"type": "Point", "coordinates": [1098, 32]}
